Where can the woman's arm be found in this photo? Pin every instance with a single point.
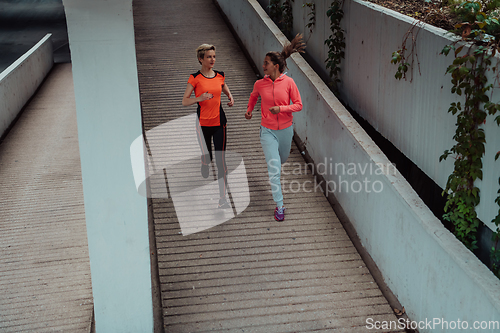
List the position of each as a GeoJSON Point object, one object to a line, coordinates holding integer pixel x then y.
{"type": "Point", "coordinates": [254, 96]}
{"type": "Point", "coordinates": [225, 90]}
{"type": "Point", "coordinates": [187, 100]}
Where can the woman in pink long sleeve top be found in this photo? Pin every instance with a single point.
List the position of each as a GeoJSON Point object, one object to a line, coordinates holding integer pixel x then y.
{"type": "Point", "coordinates": [276, 90]}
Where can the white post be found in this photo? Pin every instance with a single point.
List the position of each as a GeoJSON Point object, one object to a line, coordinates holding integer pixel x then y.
{"type": "Point", "coordinates": [101, 36]}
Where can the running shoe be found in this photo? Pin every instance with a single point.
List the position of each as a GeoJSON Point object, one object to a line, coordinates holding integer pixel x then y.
{"type": "Point", "coordinates": [279, 214]}
{"type": "Point", "coordinates": [204, 170]}
{"type": "Point", "coordinates": [223, 204]}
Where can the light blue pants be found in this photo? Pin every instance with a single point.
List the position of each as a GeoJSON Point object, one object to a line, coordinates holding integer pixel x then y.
{"type": "Point", "coordinates": [276, 145]}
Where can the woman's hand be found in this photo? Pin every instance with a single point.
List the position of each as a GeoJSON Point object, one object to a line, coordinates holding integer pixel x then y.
{"type": "Point", "coordinates": [231, 100]}
{"type": "Point", "coordinates": [248, 114]}
{"type": "Point", "coordinates": [274, 109]}
{"type": "Point", "coordinates": [205, 96]}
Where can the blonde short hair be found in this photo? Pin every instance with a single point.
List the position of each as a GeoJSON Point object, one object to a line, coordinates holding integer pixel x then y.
{"type": "Point", "coordinates": [200, 51]}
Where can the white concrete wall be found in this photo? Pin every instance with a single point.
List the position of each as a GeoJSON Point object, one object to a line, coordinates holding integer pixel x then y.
{"type": "Point", "coordinates": [101, 38]}
{"type": "Point", "coordinates": [412, 114]}
{"type": "Point", "coordinates": [428, 269]}
{"type": "Point", "coordinates": [19, 81]}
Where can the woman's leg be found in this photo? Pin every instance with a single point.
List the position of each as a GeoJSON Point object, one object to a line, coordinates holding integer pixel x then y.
{"type": "Point", "coordinates": [220, 138]}
{"type": "Point", "coordinates": [204, 136]}
{"type": "Point", "coordinates": [285, 137]}
{"type": "Point", "coordinates": [270, 145]}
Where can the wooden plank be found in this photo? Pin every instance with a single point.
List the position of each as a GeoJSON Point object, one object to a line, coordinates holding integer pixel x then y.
{"type": "Point", "coordinates": [250, 273]}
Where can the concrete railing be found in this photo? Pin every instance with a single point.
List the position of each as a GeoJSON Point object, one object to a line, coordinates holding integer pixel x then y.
{"type": "Point", "coordinates": [431, 273]}
{"type": "Point", "coordinates": [19, 81]}
{"type": "Point", "coordinates": [412, 114]}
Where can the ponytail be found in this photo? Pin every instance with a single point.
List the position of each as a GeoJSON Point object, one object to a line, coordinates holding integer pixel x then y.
{"type": "Point", "coordinates": [279, 58]}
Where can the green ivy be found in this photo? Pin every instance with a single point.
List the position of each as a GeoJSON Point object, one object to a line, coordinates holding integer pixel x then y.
{"type": "Point", "coordinates": [400, 56]}
{"type": "Point", "coordinates": [479, 19]}
{"type": "Point", "coordinates": [312, 15]}
{"type": "Point", "coordinates": [480, 32]}
{"type": "Point", "coordinates": [336, 41]}
{"type": "Point", "coordinates": [275, 11]}
{"type": "Point", "coordinates": [287, 21]}
{"type": "Point", "coordinates": [282, 14]}
{"type": "Point", "coordinates": [495, 250]}
{"type": "Point", "coordinates": [469, 80]}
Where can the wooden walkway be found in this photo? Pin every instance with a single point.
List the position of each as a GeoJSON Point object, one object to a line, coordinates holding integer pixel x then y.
{"type": "Point", "coordinates": [251, 273]}
{"type": "Point", "coordinates": [44, 260]}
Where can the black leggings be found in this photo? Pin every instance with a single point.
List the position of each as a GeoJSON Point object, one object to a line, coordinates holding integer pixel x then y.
{"type": "Point", "coordinates": [218, 134]}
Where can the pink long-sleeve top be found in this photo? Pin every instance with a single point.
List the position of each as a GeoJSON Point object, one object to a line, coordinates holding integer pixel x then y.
{"type": "Point", "coordinates": [276, 93]}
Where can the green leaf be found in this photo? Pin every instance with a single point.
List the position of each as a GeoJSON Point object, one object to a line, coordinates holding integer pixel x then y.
{"type": "Point", "coordinates": [484, 98]}
{"type": "Point", "coordinates": [464, 70]}
{"type": "Point", "coordinates": [446, 50]}
{"type": "Point", "coordinates": [481, 16]}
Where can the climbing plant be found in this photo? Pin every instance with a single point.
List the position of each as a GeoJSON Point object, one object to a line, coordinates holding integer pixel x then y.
{"type": "Point", "coordinates": [468, 79]}
{"type": "Point", "coordinates": [275, 11]}
{"type": "Point", "coordinates": [404, 57]}
{"type": "Point", "coordinates": [335, 42]}
{"type": "Point", "coordinates": [287, 21]}
{"type": "Point", "coordinates": [282, 14]}
{"type": "Point", "coordinates": [480, 30]}
{"type": "Point", "coordinates": [495, 250]}
{"type": "Point", "coordinates": [474, 57]}
{"type": "Point", "coordinates": [312, 15]}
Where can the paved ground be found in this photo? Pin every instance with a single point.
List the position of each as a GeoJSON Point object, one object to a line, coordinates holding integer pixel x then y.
{"type": "Point", "coordinates": [250, 274]}
{"type": "Point", "coordinates": [44, 262]}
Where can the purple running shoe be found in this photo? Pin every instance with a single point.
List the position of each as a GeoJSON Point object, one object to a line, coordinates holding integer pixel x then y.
{"type": "Point", "coordinates": [279, 214]}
